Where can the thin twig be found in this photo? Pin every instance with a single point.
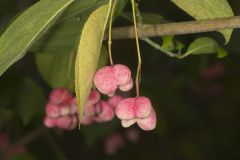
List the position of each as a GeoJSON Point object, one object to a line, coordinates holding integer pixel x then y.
{"type": "Point", "coordinates": [110, 31]}
{"type": "Point", "coordinates": [138, 49]}
{"type": "Point", "coordinates": [178, 28]}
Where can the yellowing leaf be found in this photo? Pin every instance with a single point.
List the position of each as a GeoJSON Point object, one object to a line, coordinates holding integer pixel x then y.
{"type": "Point", "coordinates": [207, 9]}
{"type": "Point", "coordinates": [88, 53]}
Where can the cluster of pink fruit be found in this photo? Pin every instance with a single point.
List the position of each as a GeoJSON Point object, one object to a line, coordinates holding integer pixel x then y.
{"type": "Point", "coordinates": [97, 110]}
{"type": "Point", "coordinates": [130, 110]}
{"type": "Point", "coordinates": [61, 110]}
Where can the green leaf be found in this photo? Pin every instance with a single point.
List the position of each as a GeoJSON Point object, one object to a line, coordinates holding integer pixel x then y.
{"type": "Point", "coordinates": [88, 53]}
{"type": "Point", "coordinates": [63, 37]}
{"type": "Point", "coordinates": [30, 99]}
{"type": "Point", "coordinates": [204, 45]}
{"type": "Point", "coordinates": [222, 53]}
{"type": "Point", "coordinates": [207, 9]}
{"type": "Point", "coordinates": [26, 29]}
{"type": "Point", "coordinates": [58, 69]}
{"type": "Point", "coordinates": [168, 43]}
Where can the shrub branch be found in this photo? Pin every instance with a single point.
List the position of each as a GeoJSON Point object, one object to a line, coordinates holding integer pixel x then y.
{"type": "Point", "coordinates": [178, 28]}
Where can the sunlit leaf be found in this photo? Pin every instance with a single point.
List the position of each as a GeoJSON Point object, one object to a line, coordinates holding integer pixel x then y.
{"type": "Point", "coordinates": [63, 37]}
{"type": "Point", "coordinates": [207, 9]}
{"type": "Point", "coordinates": [204, 45]}
{"type": "Point", "coordinates": [88, 52]}
{"type": "Point", "coordinates": [26, 29]}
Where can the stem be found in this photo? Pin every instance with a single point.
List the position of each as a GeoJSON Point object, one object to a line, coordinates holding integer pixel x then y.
{"type": "Point", "coordinates": [158, 47]}
{"type": "Point", "coordinates": [179, 28]}
{"type": "Point", "coordinates": [137, 81]}
{"type": "Point", "coordinates": [110, 32]}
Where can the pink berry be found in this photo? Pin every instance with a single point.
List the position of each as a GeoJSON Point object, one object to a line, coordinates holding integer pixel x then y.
{"type": "Point", "coordinates": [52, 110]}
{"type": "Point", "coordinates": [60, 96]}
{"type": "Point", "coordinates": [125, 110]}
{"type": "Point", "coordinates": [74, 122]}
{"type": "Point", "coordinates": [90, 110]}
{"type": "Point", "coordinates": [143, 107]}
{"type": "Point", "coordinates": [148, 123]}
{"type": "Point", "coordinates": [93, 98]}
{"type": "Point", "coordinates": [50, 122]}
{"type": "Point", "coordinates": [105, 114]}
{"type": "Point", "coordinates": [114, 101]}
{"type": "Point", "coordinates": [86, 120]}
{"type": "Point", "coordinates": [64, 122]}
{"type": "Point", "coordinates": [122, 74]}
{"type": "Point", "coordinates": [65, 110]}
{"type": "Point", "coordinates": [73, 106]}
{"type": "Point", "coordinates": [128, 123]}
{"type": "Point", "coordinates": [126, 87]}
{"type": "Point", "coordinates": [105, 80]}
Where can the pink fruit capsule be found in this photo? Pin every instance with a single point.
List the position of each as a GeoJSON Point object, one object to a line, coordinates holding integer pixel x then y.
{"type": "Point", "coordinates": [126, 87]}
{"type": "Point", "coordinates": [128, 123]}
{"type": "Point", "coordinates": [105, 80]}
{"type": "Point", "coordinates": [52, 110]}
{"type": "Point", "coordinates": [143, 107]}
{"type": "Point", "coordinates": [125, 110]}
{"type": "Point", "coordinates": [73, 106]}
{"type": "Point", "coordinates": [50, 122]}
{"type": "Point", "coordinates": [93, 98]}
{"type": "Point", "coordinates": [60, 96]}
{"type": "Point", "coordinates": [105, 114]}
{"type": "Point", "coordinates": [122, 74]}
{"type": "Point", "coordinates": [114, 101]}
{"type": "Point", "coordinates": [90, 110]}
{"type": "Point", "coordinates": [74, 122]}
{"type": "Point", "coordinates": [86, 120]}
{"type": "Point", "coordinates": [65, 110]}
{"type": "Point", "coordinates": [64, 122]}
{"type": "Point", "coordinates": [148, 123]}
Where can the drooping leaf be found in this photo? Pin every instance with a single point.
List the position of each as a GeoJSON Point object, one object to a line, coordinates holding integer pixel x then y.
{"type": "Point", "coordinates": [26, 29]}
{"type": "Point", "coordinates": [207, 9]}
{"type": "Point", "coordinates": [58, 69]}
{"type": "Point", "coordinates": [204, 45]}
{"type": "Point", "coordinates": [88, 52]}
{"type": "Point", "coordinates": [63, 37]}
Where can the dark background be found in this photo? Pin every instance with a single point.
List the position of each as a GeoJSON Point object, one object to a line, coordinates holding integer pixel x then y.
{"type": "Point", "coordinates": [198, 117]}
